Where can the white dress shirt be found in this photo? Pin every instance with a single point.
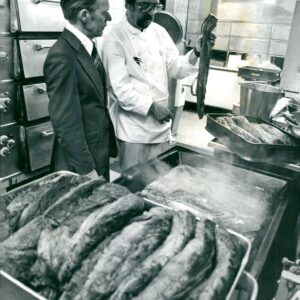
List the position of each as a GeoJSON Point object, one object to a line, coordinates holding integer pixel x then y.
{"type": "Point", "coordinates": [138, 64]}
{"type": "Point", "coordinates": [85, 41]}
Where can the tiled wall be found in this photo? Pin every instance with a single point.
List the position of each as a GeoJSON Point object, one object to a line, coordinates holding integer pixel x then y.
{"type": "Point", "coordinates": [263, 39]}
{"type": "Point", "coordinates": [244, 26]}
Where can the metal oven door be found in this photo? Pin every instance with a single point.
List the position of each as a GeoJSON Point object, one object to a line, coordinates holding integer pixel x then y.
{"type": "Point", "coordinates": [36, 16]}
{"type": "Point", "coordinates": [7, 103]}
{"type": "Point", "coordinates": [4, 16]}
{"type": "Point", "coordinates": [9, 150]}
{"type": "Point", "coordinates": [37, 143]}
{"type": "Point", "coordinates": [32, 57]}
{"type": "Point", "coordinates": [35, 102]}
{"type": "Point", "coordinates": [6, 57]}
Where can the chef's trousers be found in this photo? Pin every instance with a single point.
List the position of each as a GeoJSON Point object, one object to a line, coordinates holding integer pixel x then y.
{"type": "Point", "coordinates": [131, 154]}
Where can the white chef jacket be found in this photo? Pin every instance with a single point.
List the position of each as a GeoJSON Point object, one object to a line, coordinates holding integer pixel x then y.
{"type": "Point", "coordinates": [138, 64]}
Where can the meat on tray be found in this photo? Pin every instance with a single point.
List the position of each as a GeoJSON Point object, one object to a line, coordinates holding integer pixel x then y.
{"type": "Point", "coordinates": [228, 256]}
{"type": "Point", "coordinates": [19, 252]}
{"type": "Point", "coordinates": [95, 228]}
{"type": "Point", "coordinates": [183, 229]}
{"type": "Point", "coordinates": [38, 206]}
{"type": "Point", "coordinates": [125, 252]}
{"type": "Point", "coordinates": [96, 240]}
{"type": "Point", "coordinates": [72, 289]}
{"type": "Point", "coordinates": [185, 270]}
{"type": "Point", "coordinates": [73, 207]}
{"type": "Point", "coordinates": [254, 132]}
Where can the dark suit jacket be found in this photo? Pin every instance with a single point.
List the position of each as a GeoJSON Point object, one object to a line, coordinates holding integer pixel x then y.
{"type": "Point", "coordinates": [78, 109]}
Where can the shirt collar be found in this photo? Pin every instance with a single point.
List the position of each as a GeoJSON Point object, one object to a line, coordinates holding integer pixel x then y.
{"type": "Point", "coordinates": [85, 41]}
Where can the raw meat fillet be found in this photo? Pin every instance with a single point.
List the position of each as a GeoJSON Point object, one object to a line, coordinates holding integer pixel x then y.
{"type": "Point", "coordinates": [125, 252]}
{"type": "Point", "coordinates": [186, 270]}
{"type": "Point", "coordinates": [183, 229]}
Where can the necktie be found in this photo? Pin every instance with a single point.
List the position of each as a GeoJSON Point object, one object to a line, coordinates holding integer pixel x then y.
{"type": "Point", "coordinates": [98, 63]}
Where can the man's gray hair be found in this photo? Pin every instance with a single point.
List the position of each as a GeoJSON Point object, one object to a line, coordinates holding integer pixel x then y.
{"type": "Point", "coordinates": [71, 8]}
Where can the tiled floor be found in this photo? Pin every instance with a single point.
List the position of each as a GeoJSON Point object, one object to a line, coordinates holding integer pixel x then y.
{"type": "Point", "coordinates": [191, 130]}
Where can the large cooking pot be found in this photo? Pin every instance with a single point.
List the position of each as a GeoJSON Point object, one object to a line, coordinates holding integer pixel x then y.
{"type": "Point", "coordinates": [258, 99]}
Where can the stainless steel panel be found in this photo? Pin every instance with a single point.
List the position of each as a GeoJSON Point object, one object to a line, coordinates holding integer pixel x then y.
{"type": "Point", "coordinates": [290, 79]}
{"type": "Point", "coordinates": [223, 28]}
{"type": "Point", "coordinates": [9, 150]}
{"type": "Point", "coordinates": [247, 45]}
{"type": "Point", "coordinates": [38, 16]}
{"type": "Point", "coordinates": [4, 16]}
{"type": "Point", "coordinates": [277, 48]}
{"type": "Point", "coordinates": [6, 57]}
{"type": "Point", "coordinates": [39, 144]}
{"type": "Point", "coordinates": [33, 55]}
{"type": "Point", "coordinates": [36, 101]}
{"type": "Point", "coordinates": [7, 103]}
{"type": "Point", "coordinates": [198, 10]}
{"type": "Point", "coordinates": [281, 32]}
{"type": "Point", "coordinates": [251, 30]}
{"type": "Point", "coordinates": [221, 43]}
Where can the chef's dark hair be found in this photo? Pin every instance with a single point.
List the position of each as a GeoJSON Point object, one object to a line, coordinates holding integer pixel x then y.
{"type": "Point", "coordinates": [71, 8]}
{"type": "Point", "coordinates": [129, 2]}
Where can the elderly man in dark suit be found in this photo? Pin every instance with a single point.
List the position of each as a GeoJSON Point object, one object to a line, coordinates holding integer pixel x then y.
{"type": "Point", "coordinates": [76, 85]}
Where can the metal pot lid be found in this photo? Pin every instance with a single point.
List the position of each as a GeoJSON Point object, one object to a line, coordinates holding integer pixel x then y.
{"type": "Point", "coordinates": [171, 24]}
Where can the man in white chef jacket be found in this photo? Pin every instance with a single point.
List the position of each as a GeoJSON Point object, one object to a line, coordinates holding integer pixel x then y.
{"type": "Point", "coordinates": [139, 56]}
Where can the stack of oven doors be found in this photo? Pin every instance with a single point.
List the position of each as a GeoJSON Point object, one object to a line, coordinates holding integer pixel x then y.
{"type": "Point", "coordinates": [28, 28]}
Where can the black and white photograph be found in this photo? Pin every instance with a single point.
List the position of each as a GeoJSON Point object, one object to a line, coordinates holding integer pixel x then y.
{"type": "Point", "coordinates": [149, 150]}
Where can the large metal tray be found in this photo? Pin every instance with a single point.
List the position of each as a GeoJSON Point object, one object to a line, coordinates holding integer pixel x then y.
{"type": "Point", "coordinates": [10, 288]}
{"type": "Point", "coordinates": [247, 288]}
{"type": "Point", "coordinates": [137, 177]}
{"type": "Point", "coordinates": [34, 183]}
{"type": "Point", "coordinates": [250, 151]}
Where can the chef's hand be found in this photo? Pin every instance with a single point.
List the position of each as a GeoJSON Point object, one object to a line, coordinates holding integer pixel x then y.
{"type": "Point", "coordinates": [161, 113]}
{"type": "Point", "coordinates": [211, 39]}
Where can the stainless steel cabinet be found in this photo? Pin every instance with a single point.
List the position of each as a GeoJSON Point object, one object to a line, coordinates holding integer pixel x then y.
{"type": "Point", "coordinates": [35, 101]}
{"type": "Point", "coordinates": [32, 57]}
{"type": "Point", "coordinates": [36, 16]}
{"type": "Point", "coordinates": [37, 142]}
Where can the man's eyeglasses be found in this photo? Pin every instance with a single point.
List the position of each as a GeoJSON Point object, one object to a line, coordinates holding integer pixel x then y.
{"type": "Point", "coordinates": [146, 7]}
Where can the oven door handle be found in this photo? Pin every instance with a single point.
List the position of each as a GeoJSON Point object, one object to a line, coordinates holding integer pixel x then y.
{"type": "Point", "coordinates": [46, 134]}
{"type": "Point", "coordinates": [41, 90]}
{"type": "Point", "coordinates": [3, 56]}
{"type": "Point", "coordinates": [39, 1]}
{"type": "Point", "coordinates": [39, 47]}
